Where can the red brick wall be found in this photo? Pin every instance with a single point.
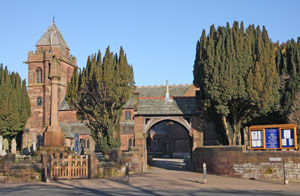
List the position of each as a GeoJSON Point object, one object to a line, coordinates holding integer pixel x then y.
{"type": "Point", "coordinates": [67, 116]}
{"type": "Point", "coordinates": [237, 162]}
{"type": "Point", "coordinates": [125, 141]}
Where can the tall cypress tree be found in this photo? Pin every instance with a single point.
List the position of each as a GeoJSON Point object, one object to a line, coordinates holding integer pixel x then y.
{"type": "Point", "coordinates": [236, 73]}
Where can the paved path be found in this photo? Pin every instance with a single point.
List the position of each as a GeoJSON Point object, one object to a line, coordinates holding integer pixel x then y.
{"type": "Point", "coordinates": [166, 177]}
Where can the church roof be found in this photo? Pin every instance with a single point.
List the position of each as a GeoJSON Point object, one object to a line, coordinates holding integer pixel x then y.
{"type": "Point", "coordinates": [70, 129]}
{"type": "Point", "coordinates": [64, 106]}
{"type": "Point", "coordinates": [52, 37]}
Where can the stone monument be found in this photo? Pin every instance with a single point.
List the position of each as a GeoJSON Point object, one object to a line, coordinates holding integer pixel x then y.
{"type": "Point", "coordinates": [13, 149]}
{"type": "Point", "coordinates": [54, 136]}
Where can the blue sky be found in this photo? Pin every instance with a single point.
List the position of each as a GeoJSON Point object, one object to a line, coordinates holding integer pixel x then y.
{"type": "Point", "coordinates": [158, 36]}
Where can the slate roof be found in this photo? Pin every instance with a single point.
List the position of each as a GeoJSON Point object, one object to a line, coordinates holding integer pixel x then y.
{"type": "Point", "coordinates": [129, 103]}
{"type": "Point", "coordinates": [52, 37]}
{"type": "Point", "coordinates": [64, 106]}
{"type": "Point", "coordinates": [176, 106]}
{"type": "Point", "coordinates": [70, 129]}
{"type": "Point", "coordinates": [160, 91]}
{"type": "Point", "coordinates": [152, 102]}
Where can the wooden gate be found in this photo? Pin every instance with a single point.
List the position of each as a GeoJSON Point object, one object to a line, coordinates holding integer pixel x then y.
{"type": "Point", "coordinates": [64, 166]}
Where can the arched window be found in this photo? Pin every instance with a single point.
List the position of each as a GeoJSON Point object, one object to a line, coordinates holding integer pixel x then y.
{"type": "Point", "coordinates": [39, 101]}
{"type": "Point", "coordinates": [39, 75]}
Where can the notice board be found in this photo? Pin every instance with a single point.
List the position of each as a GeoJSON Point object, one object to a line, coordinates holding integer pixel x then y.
{"type": "Point", "coordinates": [281, 136]}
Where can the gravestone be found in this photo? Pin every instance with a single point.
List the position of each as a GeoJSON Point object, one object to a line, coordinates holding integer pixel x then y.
{"type": "Point", "coordinates": [2, 151]}
{"type": "Point", "coordinates": [1, 142]}
{"type": "Point", "coordinates": [5, 145]}
{"type": "Point", "coordinates": [33, 143]}
{"type": "Point", "coordinates": [13, 146]}
{"type": "Point", "coordinates": [76, 145]}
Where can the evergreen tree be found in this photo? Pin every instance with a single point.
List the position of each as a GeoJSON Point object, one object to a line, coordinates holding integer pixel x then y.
{"type": "Point", "coordinates": [99, 92]}
{"type": "Point", "coordinates": [294, 115]}
{"type": "Point", "coordinates": [14, 103]}
{"type": "Point", "coordinates": [288, 66]}
{"type": "Point", "coordinates": [236, 73]}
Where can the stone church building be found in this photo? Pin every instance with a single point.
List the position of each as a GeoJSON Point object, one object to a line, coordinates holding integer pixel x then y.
{"type": "Point", "coordinates": [157, 120]}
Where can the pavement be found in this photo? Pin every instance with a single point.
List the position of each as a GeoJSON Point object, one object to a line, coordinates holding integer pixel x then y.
{"type": "Point", "coordinates": [165, 177]}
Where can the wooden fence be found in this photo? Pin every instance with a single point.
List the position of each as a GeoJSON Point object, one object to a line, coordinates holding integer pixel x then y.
{"type": "Point", "coordinates": [64, 166]}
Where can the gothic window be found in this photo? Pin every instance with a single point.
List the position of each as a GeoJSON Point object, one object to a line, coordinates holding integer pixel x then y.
{"type": "Point", "coordinates": [39, 75]}
{"type": "Point", "coordinates": [39, 101]}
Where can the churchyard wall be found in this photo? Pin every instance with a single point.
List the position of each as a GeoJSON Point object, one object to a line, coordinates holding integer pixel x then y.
{"type": "Point", "coordinates": [238, 162]}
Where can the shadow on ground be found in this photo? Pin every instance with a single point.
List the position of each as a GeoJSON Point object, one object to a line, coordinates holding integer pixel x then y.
{"type": "Point", "coordinates": [62, 188]}
{"type": "Point", "coordinates": [170, 164]}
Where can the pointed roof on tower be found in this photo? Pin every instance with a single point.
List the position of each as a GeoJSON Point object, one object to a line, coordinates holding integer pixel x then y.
{"type": "Point", "coordinates": [52, 37]}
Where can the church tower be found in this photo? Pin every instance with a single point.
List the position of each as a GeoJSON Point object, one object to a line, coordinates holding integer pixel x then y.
{"type": "Point", "coordinates": [50, 45]}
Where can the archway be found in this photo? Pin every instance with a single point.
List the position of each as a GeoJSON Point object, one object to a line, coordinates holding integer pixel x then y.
{"type": "Point", "coordinates": [168, 139]}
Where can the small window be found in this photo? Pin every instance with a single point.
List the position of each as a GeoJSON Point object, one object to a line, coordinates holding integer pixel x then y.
{"type": "Point", "coordinates": [39, 101]}
{"type": "Point", "coordinates": [39, 75]}
{"type": "Point", "coordinates": [88, 144]}
{"type": "Point", "coordinates": [129, 142]}
{"type": "Point", "coordinates": [127, 115]}
{"type": "Point", "coordinates": [82, 143]}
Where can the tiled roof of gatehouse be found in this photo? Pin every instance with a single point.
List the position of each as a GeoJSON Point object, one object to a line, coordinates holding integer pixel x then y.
{"type": "Point", "coordinates": [160, 91]}
{"type": "Point", "coordinates": [175, 106]}
{"type": "Point", "coordinates": [152, 101]}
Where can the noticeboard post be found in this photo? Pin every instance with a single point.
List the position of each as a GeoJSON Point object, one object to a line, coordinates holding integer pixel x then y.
{"type": "Point", "coordinates": [281, 136]}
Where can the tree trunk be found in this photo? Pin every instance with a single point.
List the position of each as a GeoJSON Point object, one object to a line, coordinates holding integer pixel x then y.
{"type": "Point", "coordinates": [227, 131]}
{"type": "Point", "coordinates": [236, 128]}
{"type": "Point", "coordinates": [246, 142]}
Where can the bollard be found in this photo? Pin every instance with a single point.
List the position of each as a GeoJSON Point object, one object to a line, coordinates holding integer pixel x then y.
{"type": "Point", "coordinates": [127, 172]}
{"type": "Point", "coordinates": [285, 175]}
{"type": "Point", "coordinates": [204, 174]}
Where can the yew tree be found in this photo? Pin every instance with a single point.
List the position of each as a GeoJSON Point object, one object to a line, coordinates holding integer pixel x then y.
{"type": "Point", "coordinates": [236, 72]}
{"type": "Point", "coordinates": [14, 104]}
{"type": "Point", "coordinates": [98, 93]}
